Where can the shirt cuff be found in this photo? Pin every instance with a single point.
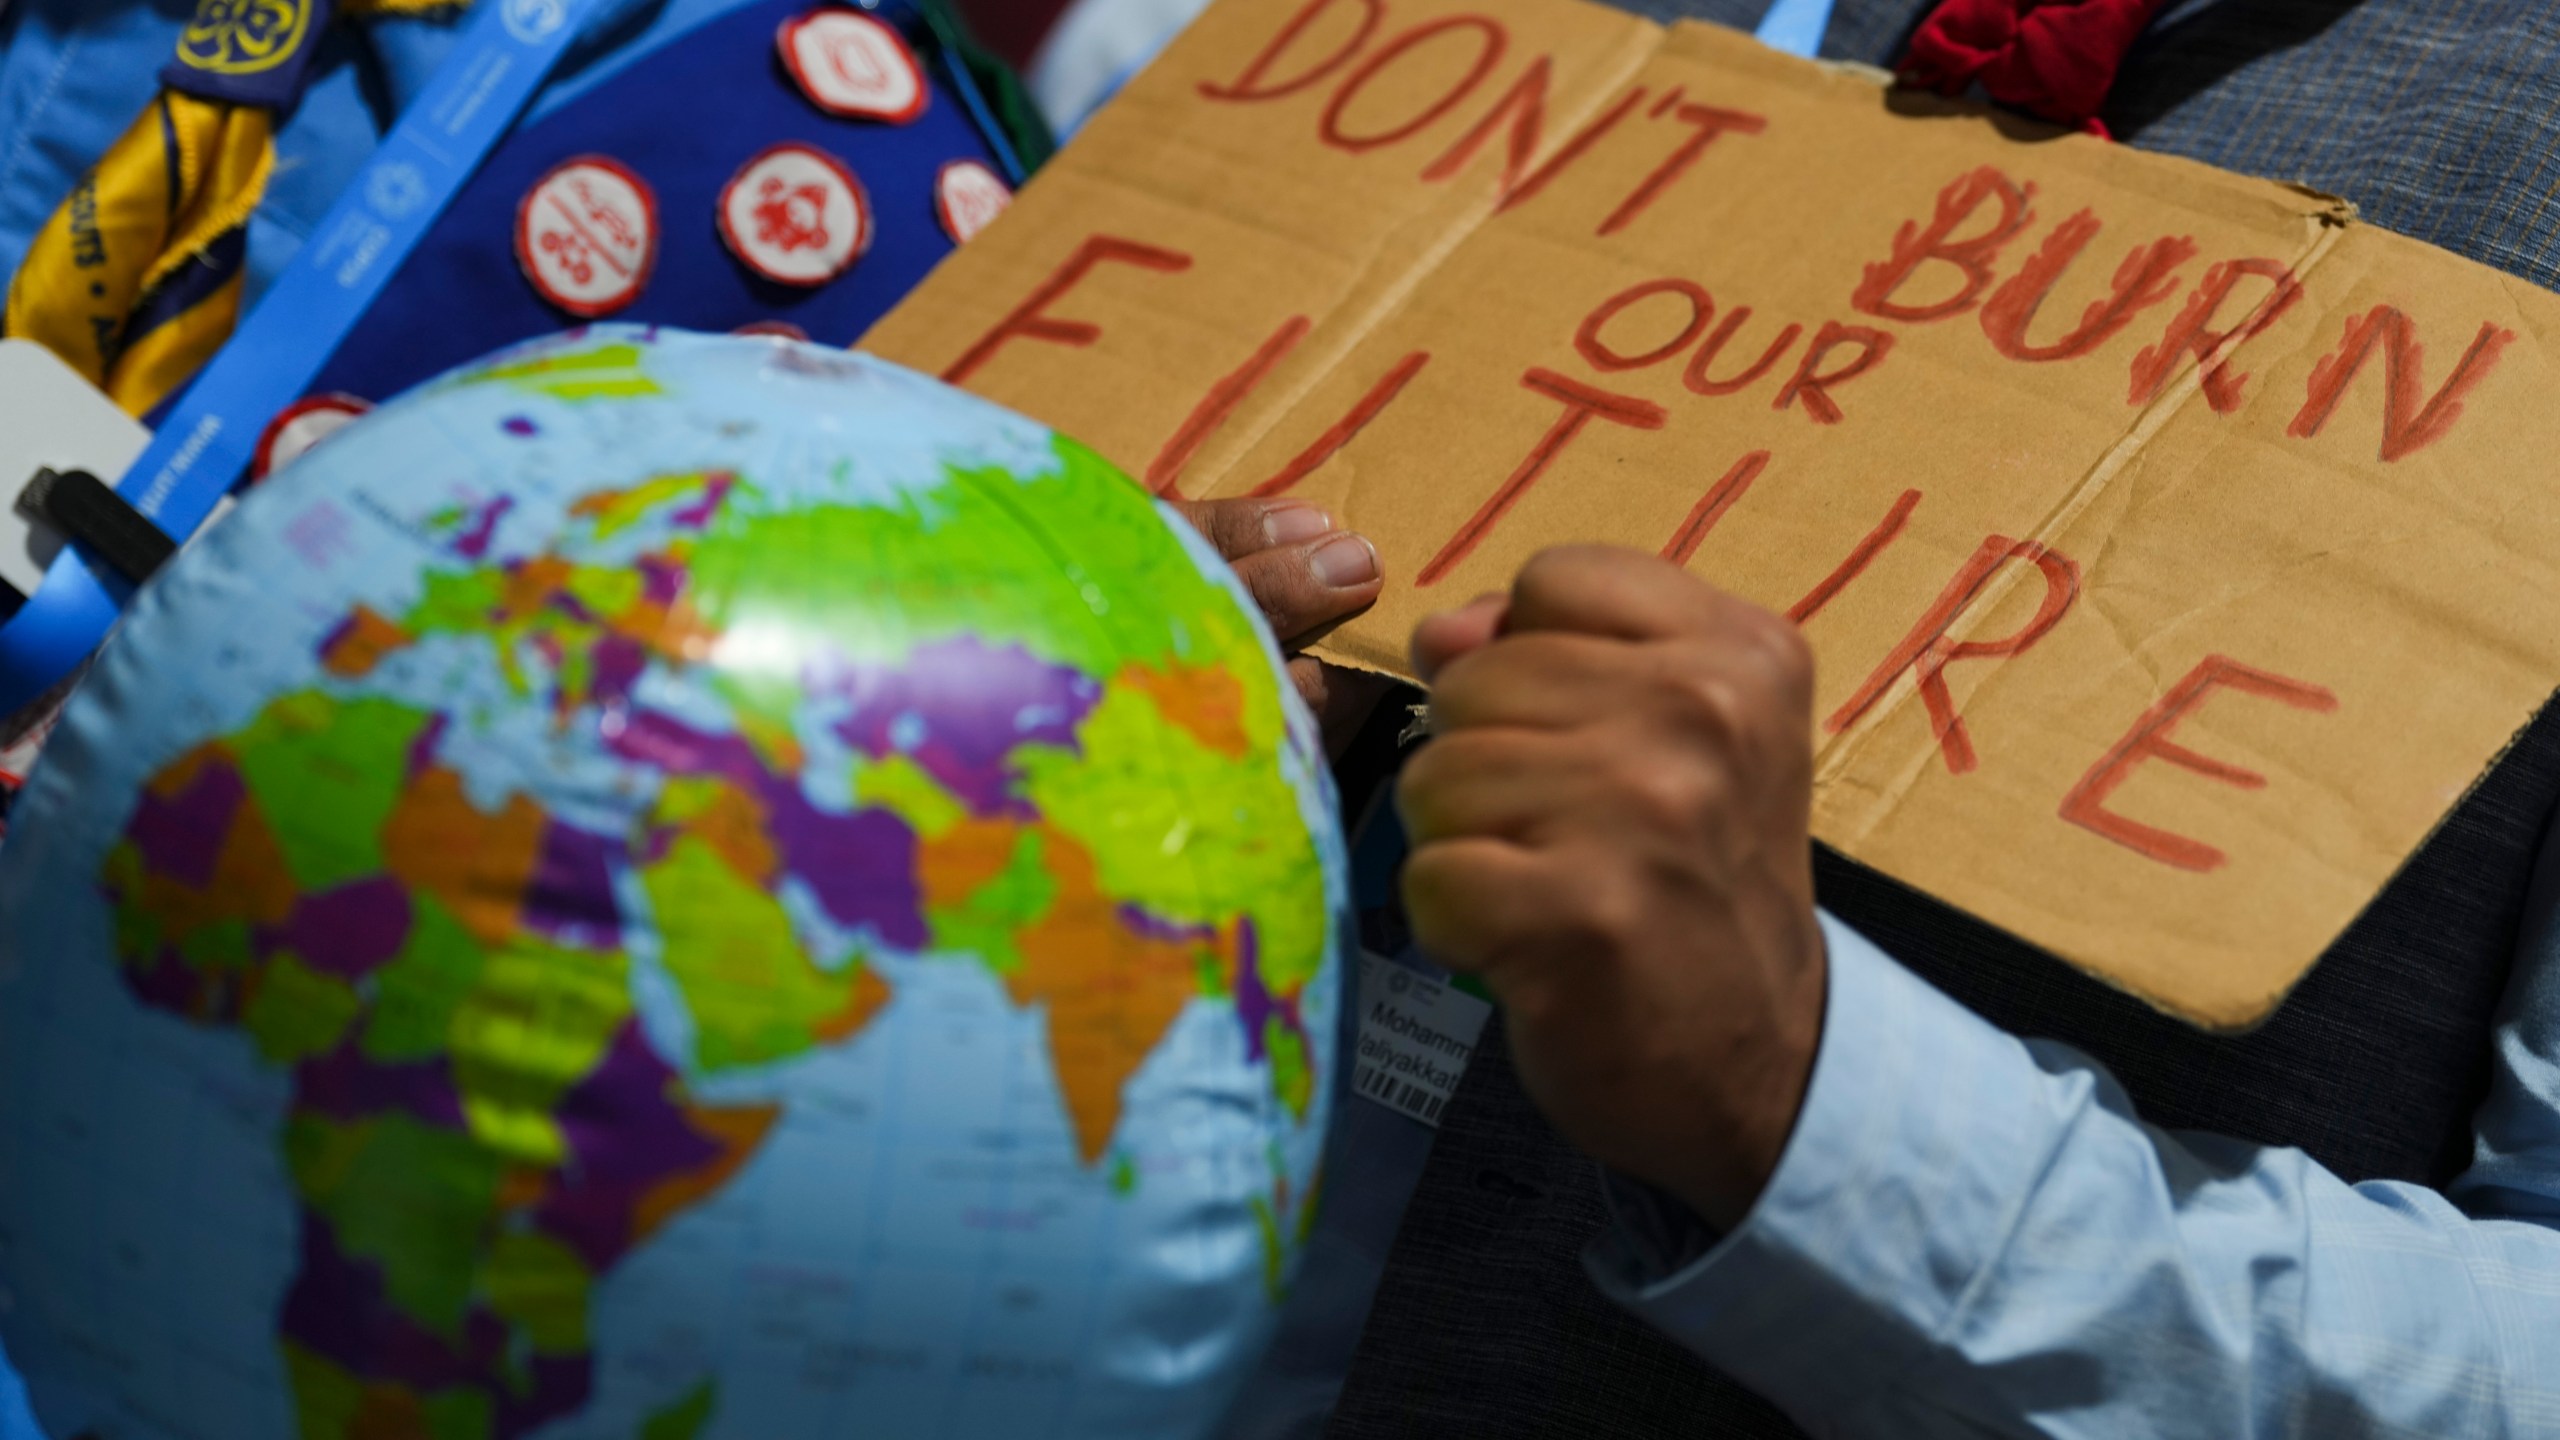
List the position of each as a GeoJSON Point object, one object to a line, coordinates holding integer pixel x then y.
{"type": "Point", "coordinates": [1922, 1132]}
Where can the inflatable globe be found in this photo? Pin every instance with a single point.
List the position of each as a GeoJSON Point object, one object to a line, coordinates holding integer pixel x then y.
{"type": "Point", "coordinates": [664, 886]}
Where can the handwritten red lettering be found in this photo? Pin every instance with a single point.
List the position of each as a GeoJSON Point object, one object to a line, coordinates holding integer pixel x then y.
{"type": "Point", "coordinates": [1491, 39]}
{"type": "Point", "coordinates": [1915, 245]}
{"type": "Point", "coordinates": [1029, 320]}
{"type": "Point", "coordinates": [1586, 338]}
{"type": "Point", "coordinates": [1814, 386]}
{"type": "Point", "coordinates": [1341, 432]}
{"type": "Point", "coordinates": [1696, 378]}
{"type": "Point", "coordinates": [1221, 401]}
{"type": "Point", "coordinates": [1571, 151]}
{"type": "Point", "coordinates": [1581, 403]}
{"type": "Point", "coordinates": [2146, 277]}
{"type": "Point", "coordinates": [1711, 506]}
{"type": "Point", "coordinates": [1926, 652]}
{"type": "Point", "coordinates": [2149, 739]}
{"type": "Point", "coordinates": [1526, 103]}
{"type": "Point", "coordinates": [1255, 83]}
{"type": "Point", "coordinates": [2407, 426]}
{"type": "Point", "coordinates": [2213, 349]}
{"type": "Point", "coordinates": [1861, 555]}
{"type": "Point", "coordinates": [1710, 122]}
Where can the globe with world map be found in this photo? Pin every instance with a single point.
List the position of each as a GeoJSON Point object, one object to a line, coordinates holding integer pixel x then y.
{"type": "Point", "coordinates": [669, 886]}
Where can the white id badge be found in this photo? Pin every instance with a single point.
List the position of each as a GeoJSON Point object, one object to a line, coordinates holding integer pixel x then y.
{"type": "Point", "coordinates": [50, 418]}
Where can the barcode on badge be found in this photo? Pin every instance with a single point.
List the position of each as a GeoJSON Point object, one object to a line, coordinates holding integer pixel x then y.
{"type": "Point", "coordinates": [1404, 1095]}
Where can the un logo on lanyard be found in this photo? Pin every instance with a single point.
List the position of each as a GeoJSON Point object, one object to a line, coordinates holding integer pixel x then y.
{"type": "Point", "coordinates": [532, 21]}
{"type": "Point", "coordinates": [244, 37]}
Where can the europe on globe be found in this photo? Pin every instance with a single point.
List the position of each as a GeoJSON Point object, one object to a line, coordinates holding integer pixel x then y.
{"type": "Point", "coordinates": [668, 886]}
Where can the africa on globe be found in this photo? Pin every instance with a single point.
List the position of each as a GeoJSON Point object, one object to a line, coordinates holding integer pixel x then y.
{"type": "Point", "coordinates": [669, 887]}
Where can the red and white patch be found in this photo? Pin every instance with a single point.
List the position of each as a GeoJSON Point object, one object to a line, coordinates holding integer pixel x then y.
{"type": "Point", "coordinates": [587, 235]}
{"type": "Point", "coordinates": [299, 426]}
{"type": "Point", "coordinates": [850, 64]}
{"type": "Point", "coordinates": [796, 215]}
{"type": "Point", "coordinates": [776, 329]}
{"type": "Point", "coordinates": [968, 196]}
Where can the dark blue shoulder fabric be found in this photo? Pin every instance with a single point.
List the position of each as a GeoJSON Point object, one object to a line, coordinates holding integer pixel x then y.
{"type": "Point", "coordinates": [684, 118]}
{"type": "Point", "coordinates": [2439, 119]}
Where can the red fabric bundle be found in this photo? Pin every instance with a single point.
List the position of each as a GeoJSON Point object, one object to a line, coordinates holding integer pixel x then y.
{"type": "Point", "coordinates": [2054, 58]}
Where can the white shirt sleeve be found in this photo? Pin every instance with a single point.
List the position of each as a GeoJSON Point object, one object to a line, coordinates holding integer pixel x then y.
{"type": "Point", "coordinates": [1969, 1234]}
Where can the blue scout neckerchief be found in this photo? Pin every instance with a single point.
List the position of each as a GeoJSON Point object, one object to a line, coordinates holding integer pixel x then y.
{"type": "Point", "coordinates": [135, 279]}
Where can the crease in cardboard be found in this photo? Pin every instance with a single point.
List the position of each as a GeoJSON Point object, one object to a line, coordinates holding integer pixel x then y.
{"type": "Point", "coordinates": [1836, 756]}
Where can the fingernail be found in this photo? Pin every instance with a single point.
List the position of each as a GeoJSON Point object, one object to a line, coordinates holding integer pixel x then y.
{"type": "Point", "coordinates": [1345, 562]}
{"type": "Point", "coordinates": [1289, 524]}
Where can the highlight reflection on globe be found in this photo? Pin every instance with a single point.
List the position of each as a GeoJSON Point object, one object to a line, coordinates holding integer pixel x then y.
{"type": "Point", "coordinates": [665, 886]}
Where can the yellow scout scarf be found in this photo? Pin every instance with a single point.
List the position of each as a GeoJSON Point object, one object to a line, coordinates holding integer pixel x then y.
{"type": "Point", "coordinates": [135, 280]}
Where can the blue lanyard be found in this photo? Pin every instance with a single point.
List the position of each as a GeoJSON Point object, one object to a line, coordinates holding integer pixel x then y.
{"type": "Point", "coordinates": [501, 56]}
{"type": "Point", "coordinates": [955, 65]}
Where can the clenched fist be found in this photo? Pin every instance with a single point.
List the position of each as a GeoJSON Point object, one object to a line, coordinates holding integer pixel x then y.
{"type": "Point", "coordinates": [1612, 828]}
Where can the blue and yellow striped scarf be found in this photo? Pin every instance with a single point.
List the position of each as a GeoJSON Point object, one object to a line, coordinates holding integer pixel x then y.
{"type": "Point", "coordinates": [135, 280]}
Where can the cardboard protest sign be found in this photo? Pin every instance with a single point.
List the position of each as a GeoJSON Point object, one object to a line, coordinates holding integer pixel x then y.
{"type": "Point", "coordinates": [2177, 550]}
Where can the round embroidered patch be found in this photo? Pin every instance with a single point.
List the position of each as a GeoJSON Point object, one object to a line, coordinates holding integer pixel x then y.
{"type": "Point", "coordinates": [299, 426]}
{"type": "Point", "coordinates": [587, 235]}
{"type": "Point", "coordinates": [848, 63]}
{"type": "Point", "coordinates": [968, 196]}
{"type": "Point", "coordinates": [778, 329]}
{"type": "Point", "coordinates": [796, 215]}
